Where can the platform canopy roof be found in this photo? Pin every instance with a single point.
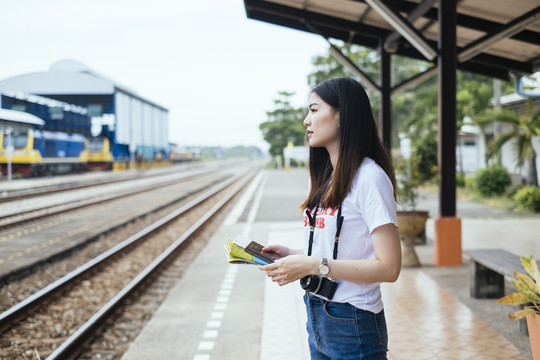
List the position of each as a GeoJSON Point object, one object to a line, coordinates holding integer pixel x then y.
{"type": "Point", "coordinates": [494, 37]}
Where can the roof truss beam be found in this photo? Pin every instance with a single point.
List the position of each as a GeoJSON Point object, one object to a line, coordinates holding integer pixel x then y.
{"type": "Point", "coordinates": [403, 27]}
{"type": "Point", "coordinates": [282, 11]}
{"type": "Point", "coordinates": [513, 27]}
{"type": "Point", "coordinates": [390, 43]}
{"type": "Point", "coordinates": [414, 80]}
{"type": "Point", "coordinates": [347, 63]}
{"type": "Point", "coordinates": [467, 21]}
{"type": "Point", "coordinates": [364, 35]}
{"type": "Point", "coordinates": [502, 63]}
{"type": "Point", "coordinates": [341, 33]}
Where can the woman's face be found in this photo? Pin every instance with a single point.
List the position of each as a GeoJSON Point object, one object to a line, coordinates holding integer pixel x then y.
{"type": "Point", "coordinates": [322, 124]}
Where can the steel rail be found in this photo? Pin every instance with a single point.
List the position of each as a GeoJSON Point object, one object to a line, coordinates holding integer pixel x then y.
{"type": "Point", "coordinates": [23, 308]}
{"type": "Point", "coordinates": [8, 196]}
{"type": "Point", "coordinates": [18, 194]}
{"type": "Point", "coordinates": [7, 221]}
{"type": "Point", "coordinates": [74, 344]}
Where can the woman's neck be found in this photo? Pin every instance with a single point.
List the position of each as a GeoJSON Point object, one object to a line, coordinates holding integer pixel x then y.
{"type": "Point", "coordinates": [333, 151]}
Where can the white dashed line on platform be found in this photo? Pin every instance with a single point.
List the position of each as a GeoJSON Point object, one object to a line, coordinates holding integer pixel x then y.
{"type": "Point", "coordinates": [214, 324]}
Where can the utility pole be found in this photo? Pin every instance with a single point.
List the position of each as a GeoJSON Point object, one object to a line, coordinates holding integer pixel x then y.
{"type": "Point", "coordinates": [9, 152]}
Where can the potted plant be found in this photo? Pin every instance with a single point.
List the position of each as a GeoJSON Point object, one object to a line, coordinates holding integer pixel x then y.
{"type": "Point", "coordinates": [528, 294]}
{"type": "Point", "coordinates": [411, 222]}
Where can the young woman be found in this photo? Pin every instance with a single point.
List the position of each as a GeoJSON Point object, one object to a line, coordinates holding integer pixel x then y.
{"type": "Point", "coordinates": [350, 223]}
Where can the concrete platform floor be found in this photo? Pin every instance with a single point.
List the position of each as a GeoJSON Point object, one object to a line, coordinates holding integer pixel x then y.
{"type": "Point", "coordinates": [222, 311]}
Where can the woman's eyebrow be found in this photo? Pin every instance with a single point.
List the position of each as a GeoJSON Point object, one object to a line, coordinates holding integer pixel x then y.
{"type": "Point", "coordinates": [310, 105]}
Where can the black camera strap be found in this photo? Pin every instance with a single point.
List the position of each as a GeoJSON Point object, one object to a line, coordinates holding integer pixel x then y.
{"type": "Point", "coordinates": [312, 223]}
{"type": "Point", "coordinates": [339, 223]}
{"type": "Point", "coordinates": [311, 227]}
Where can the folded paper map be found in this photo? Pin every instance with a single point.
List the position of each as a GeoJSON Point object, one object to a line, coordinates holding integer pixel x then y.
{"type": "Point", "coordinates": [241, 250]}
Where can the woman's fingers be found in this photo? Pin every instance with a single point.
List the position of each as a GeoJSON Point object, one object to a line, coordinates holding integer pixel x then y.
{"type": "Point", "coordinates": [270, 267]}
{"type": "Point", "coordinates": [275, 272]}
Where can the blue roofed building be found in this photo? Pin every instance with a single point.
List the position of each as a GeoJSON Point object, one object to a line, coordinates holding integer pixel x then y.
{"type": "Point", "coordinates": [131, 121]}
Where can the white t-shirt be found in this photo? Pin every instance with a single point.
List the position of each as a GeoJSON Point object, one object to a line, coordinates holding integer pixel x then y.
{"type": "Point", "coordinates": [369, 204]}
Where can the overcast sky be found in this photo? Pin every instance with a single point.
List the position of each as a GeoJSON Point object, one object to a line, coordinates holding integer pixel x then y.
{"type": "Point", "coordinates": [215, 70]}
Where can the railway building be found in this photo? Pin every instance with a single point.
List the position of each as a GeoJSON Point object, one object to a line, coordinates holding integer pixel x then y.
{"type": "Point", "coordinates": [56, 115]}
{"type": "Point", "coordinates": [133, 125]}
{"type": "Point", "coordinates": [18, 121]}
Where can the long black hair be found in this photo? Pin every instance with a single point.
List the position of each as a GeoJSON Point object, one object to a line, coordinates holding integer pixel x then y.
{"type": "Point", "coordinates": [359, 138]}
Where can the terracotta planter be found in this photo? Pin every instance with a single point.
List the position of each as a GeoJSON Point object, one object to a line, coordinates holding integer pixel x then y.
{"type": "Point", "coordinates": [533, 324]}
{"type": "Point", "coordinates": [410, 224]}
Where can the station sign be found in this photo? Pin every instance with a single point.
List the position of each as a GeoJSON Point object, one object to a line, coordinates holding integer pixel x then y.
{"type": "Point", "coordinates": [529, 85]}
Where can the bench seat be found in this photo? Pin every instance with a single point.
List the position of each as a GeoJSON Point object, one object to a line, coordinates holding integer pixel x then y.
{"type": "Point", "coordinates": [489, 270]}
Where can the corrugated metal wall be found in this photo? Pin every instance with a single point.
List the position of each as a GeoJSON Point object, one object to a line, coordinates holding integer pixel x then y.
{"type": "Point", "coordinates": [140, 123]}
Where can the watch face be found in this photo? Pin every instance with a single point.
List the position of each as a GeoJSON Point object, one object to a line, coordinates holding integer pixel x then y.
{"type": "Point", "coordinates": [323, 269]}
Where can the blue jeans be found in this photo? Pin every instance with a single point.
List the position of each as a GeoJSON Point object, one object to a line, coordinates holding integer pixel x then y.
{"type": "Point", "coordinates": [341, 331]}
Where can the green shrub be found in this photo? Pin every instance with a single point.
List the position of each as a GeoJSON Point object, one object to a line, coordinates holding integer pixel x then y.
{"type": "Point", "coordinates": [293, 163]}
{"type": "Point", "coordinates": [492, 180]}
{"type": "Point", "coordinates": [426, 156]}
{"type": "Point", "coordinates": [469, 182]}
{"type": "Point", "coordinates": [512, 190]}
{"type": "Point", "coordinates": [460, 180]}
{"type": "Point", "coordinates": [529, 197]}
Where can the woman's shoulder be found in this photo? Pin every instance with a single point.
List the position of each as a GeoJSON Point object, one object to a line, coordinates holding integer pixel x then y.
{"type": "Point", "coordinates": [368, 169]}
{"type": "Point", "coordinates": [368, 174]}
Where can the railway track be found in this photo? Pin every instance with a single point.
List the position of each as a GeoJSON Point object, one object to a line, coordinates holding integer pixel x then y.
{"type": "Point", "coordinates": [19, 194]}
{"type": "Point", "coordinates": [60, 320]}
{"type": "Point", "coordinates": [70, 204]}
{"type": "Point", "coordinates": [13, 195]}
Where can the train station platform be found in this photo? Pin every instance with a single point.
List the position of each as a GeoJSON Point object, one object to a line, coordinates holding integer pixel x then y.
{"type": "Point", "coordinates": [221, 311]}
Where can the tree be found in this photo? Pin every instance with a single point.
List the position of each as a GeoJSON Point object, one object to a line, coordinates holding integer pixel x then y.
{"type": "Point", "coordinates": [327, 67]}
{"type": "Point", "coordinates": [420, 123]}
{"type": "Point", "coordinates": [414, 112]}
{"type": "Point", "coordinates": [420, 113]}
{"type": "Point", "coordinates": [524, 129]}
{"type": "Point", "coordinates": [284, 124]}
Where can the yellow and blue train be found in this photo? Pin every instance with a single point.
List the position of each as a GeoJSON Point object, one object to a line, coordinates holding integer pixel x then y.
{"type": "Point", "coordinates": [38, 153]}
{"type": "Point", "coordinates": [41, 153]}
{"type": "Point", "coordinates": [97, 154]}
{"type": "Point", "coordinates": [182, 154]}
{"type": "Point", "coordinates": [61, 142]}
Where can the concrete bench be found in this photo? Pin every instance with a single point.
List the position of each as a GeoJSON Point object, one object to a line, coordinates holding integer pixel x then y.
{"type": "Point", "coordinates": [489, 270]}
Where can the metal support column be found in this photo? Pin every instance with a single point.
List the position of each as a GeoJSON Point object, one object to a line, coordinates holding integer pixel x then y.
{"type": "Point", "coordinates": [448, 227]}
{"type": "Point", "coordinates": [386, 98]}
{"type": "Point", "coordinates": [447, 107]}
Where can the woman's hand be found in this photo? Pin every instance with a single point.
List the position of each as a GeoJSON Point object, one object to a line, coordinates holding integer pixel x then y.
{"type": "Point", "coordinates": [291, 268]}
{"type": "Point", "coordinates": [278, 251]}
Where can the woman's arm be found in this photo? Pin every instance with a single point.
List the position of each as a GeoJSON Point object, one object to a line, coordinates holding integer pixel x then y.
{"type": "Point", "coordinates": [385, 267]}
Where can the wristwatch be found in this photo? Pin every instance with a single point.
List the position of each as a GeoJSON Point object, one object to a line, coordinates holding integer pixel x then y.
{"type": "Point", "coordinates": [323, 268]}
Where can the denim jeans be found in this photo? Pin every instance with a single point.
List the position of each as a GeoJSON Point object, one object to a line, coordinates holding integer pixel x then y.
{"type": "Point", "coordinates": [341, 331]}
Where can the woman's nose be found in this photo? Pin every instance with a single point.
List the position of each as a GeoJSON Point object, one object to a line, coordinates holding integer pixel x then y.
{"type": "Point", "coordinates": [306, 121]}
